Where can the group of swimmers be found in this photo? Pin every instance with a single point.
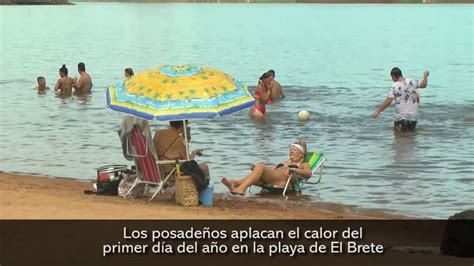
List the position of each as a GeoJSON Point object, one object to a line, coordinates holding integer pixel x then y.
{"type": "Point", "coordinates": [65, 84]}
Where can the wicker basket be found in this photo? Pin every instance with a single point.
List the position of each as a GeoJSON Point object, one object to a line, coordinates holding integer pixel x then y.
{"type": "Point", "coordinates": [186, 192]}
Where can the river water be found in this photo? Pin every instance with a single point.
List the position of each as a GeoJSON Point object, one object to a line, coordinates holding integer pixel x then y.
{"type": "Point", "coordinates": [333, 60]}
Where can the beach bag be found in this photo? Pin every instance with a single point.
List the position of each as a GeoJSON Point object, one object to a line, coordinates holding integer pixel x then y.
{"type": "Point", "coordinates": [108, 179]}
{"type": "Point", "coordinates": [192, 169]}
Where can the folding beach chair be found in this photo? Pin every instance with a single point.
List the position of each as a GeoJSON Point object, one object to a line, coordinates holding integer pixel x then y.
{"type": "Point", "coordinates": [147, 168]}
{"type": "Point", "coordinates": [316, 162]}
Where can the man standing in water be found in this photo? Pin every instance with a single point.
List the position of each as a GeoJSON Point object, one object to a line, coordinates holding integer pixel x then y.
{"type": "Point", "coordinates": [405, 95]}
{"type": "Point", "coordinates": [84, 84]}
{"type": "Point", "coordinates": [275, 87]}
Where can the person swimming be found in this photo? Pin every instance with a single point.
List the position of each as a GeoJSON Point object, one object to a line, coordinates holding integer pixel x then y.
{"type": "Point", "coordinates": [263, 97]}
{"type": "Point", "coordinates": [64, 84]}
{"type": "Point", "coordinates": [274, 86]}
{"type": "Point", "coordinates": [128, 73]}
{"type": "Point", "coordinates": [41, 88]}
{"type": "Point", "coordinates": [84, 83]}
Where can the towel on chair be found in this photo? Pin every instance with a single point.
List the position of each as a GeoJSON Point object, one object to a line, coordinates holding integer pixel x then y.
{"type": "Point", "coordinates": [126, 128]}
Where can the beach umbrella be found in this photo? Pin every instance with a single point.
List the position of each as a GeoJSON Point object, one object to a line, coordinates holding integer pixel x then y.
{"type": "Point", "coordinates": [179, 93]}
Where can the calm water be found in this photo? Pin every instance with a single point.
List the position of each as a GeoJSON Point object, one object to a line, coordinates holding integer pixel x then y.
{"type": "Point", "coordinates": [332, 60]}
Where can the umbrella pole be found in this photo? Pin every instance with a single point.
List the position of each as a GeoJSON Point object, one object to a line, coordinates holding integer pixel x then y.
{"type": "Point", "coordinates": [186, 139]}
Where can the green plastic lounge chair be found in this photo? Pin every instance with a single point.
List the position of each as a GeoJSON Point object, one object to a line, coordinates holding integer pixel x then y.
{"type": "Point", "coordinates": [316, 162]}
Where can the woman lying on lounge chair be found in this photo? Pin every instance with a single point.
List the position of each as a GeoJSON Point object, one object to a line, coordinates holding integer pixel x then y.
{"type": "Point", "coordinates": [278, 175]}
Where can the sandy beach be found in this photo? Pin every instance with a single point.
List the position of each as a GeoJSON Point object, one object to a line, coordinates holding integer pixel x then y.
{"type": "Point", "coordinates": [33, 197]}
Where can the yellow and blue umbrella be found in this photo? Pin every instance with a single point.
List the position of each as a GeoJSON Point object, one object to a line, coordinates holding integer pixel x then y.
{"type": "Point", "coordinates": [178, 93]}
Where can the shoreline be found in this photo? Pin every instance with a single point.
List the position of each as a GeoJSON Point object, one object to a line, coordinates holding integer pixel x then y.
{"type": "Point", "coordinates": [38, 197]}
{"type": "Point", "coordinates": [26, 197]}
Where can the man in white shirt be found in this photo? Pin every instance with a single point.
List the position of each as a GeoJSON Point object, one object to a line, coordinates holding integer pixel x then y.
{"type": "Point", "coordinates": [405, 95]}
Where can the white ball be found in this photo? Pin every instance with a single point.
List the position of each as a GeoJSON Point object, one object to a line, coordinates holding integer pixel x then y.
{"type": "Point", "coordinates": [303, 115]}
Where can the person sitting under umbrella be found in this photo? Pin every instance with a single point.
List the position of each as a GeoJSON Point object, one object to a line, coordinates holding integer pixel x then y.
{"type": "Point", "coordinates": [262, 174]}
{"type": "Point", "coordinates": [170, 145]}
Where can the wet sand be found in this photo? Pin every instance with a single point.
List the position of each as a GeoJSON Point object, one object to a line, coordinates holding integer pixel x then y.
{"type": "Point", "coordinates": [33, 197]}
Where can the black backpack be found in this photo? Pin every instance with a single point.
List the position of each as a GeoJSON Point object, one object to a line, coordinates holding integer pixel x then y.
{"type": "Point", "coordinates": [108, 187]}
{"type": "Point", "coordinates": [192, 168]}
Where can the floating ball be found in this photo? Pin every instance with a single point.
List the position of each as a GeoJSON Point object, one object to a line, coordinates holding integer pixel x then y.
{"type": "Point", "coordinates": [303, 115]}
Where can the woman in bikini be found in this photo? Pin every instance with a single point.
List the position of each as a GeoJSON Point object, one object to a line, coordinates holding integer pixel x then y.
{"type": "Point", "coordinates": [169, 145]}
{"type": "Point", "coordinates": [64, 85]}
{"type": "Point", "coordinates": [277, 175]}
{"type": "Point", "coordinates": [263, 97]}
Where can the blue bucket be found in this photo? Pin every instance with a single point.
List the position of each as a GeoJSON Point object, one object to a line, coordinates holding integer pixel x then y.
{"type": "Point", "coordinates": [206, 196]}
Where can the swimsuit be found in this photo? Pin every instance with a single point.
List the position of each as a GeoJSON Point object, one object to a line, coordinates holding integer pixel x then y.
{"type": "Point", "coordinates": [289, 166]}
{"type": "Point", "coordinates": [260, 107]}
{"type": "Point", "coordinates": [269, 101]}
{"type": "Point", "coordinates": [296, 183]}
